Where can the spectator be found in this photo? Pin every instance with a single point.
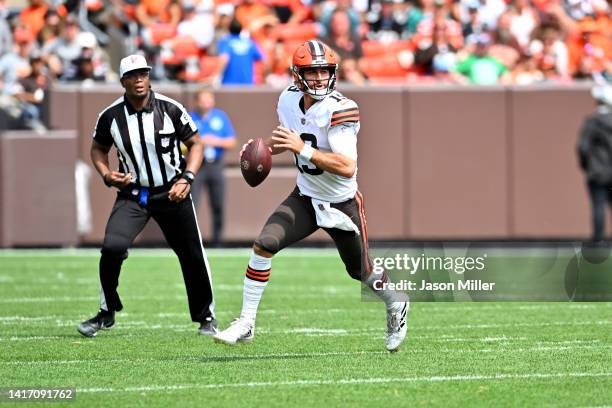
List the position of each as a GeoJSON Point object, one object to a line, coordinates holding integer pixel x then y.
{"type": "Point", "coordinates": [550, 53]}
{"type": "Point", "coordinates": [16, 64]}
{"type": "Point", "coordinates": [290, 11]}
{"type": "Point", "coordinates": [217, 135]}
{"type": "Point", "coordinates": [198, 22]}
{"type": "Point", "coordinates": [438, 49]}
{"type": "Point", "coordinates": [474, 24]}
{"type": "Point", "coordinates": [253, 16]}
{"type": "Point", "coordinates": [526, 72]}
{"type": "Point", "coordinates": [523, 20]}
{"type": "Point", "coordinates": [479, 67]}
{"type": "Point", "coordinates": [223, 19]}
{"type": "Point", "coordinates": [83, 69]}
{"type": "Point", "coordinates": [416, 13]}
{"type": "Point", "coordinates": [6, 37]}
{"type": "Point", "coordinates": [438, 21]}
{"type": "Point", "coordinates": [51, 30]}
{"type": "Point", "coordinates": [578, 9]}
{"type": "Point", "coordinates": [33, 16]}
{"type": "Point", "coordinates": [327, 11]}
{"type": "Point", "coordinates": [437, 35]}
{"type": "Point", "coordinates": [238, 56]}
{"type": "Point", "coordinates": [63, 50]}
{"type": "Point", "coordinates": [347, 46]}
{"type": "Point", "coordinates": [90, 64]}
{"type": "Point", "coordinates": [149, 12]}
{"type": "Point", "coordinates": [32, 89]}
{"type": "Point", "coordinates": [488, 12]}
{"type": "Point", "coordinates": [385, 22]}
{"type": "Point", "coordinates": [586, 51]}
{"type": "Point", "coordinates": [595, 156]}
{"type": "Point", "coordinates": [503, 34]}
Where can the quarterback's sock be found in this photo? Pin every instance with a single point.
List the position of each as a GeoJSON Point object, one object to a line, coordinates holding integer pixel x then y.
{"type": "Point", "coordinates": [391, 298]}
{"type": "Point", "coordinates": [257, 275]}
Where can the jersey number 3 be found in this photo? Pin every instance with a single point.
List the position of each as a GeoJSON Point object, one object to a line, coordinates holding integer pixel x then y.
{"type": "Point", "coordinates": [304, 168]}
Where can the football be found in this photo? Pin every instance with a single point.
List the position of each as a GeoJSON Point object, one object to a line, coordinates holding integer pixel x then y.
{"type": "Point", "coordinates": [255, 162]}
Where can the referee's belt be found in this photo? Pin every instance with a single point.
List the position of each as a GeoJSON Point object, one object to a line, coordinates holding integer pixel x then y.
{"type": "Point", "coordinates": [144, 194]}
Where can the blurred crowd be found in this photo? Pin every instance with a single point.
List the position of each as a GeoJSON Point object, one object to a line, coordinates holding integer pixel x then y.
{"type": "Point", "coordinates": [251, 41]}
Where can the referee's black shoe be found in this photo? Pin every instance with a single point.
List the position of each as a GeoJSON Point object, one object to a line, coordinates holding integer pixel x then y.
{"type": "Point", "coordinates": [103, 320]}
{"type": "Point", "coordinates": [208, 327]}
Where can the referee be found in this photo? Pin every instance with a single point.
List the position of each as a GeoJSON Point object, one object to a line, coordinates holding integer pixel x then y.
{"type": "Point", "coordinates": [153, 181]}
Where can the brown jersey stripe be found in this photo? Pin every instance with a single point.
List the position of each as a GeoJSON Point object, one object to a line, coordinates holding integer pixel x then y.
{"type": "Point", "coordinates": [347, 112]}
{"type": "Point", "coordinates": [344, 118]}
{"type": "Point", "coordinates": [349, 119]}
{"type": "Point", "coordinates": [344, 111]}
{"type": "Point", "coordinates": [348, 115]}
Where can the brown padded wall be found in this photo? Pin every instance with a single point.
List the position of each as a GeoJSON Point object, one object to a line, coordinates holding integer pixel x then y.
{"type": "Point", "coordinates": [457, 162]}
{"type": "Point", "coordinates": [548, 195]}
{"type": "Point", "coordinates": [64, 107]}
{"type": "Point", "coordinates": [38, 204]}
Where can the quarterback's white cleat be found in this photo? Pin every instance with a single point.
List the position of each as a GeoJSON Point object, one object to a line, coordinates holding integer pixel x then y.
{"type": "Point", "coordinates": [240, 330]}
{"type": "Point", "coordinates": [397, 325]}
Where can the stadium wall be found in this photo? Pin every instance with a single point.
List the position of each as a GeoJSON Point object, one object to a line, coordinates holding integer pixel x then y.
{"type": "Point", "coordinates": [435, 162]}
{"type": "Point", "coordinates": [37, 188]}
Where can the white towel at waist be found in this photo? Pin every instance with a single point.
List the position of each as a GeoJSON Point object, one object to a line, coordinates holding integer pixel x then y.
{"type": "Point", "coordinates": [329, 217]}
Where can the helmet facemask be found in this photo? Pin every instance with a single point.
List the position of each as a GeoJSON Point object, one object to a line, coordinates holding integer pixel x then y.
{"type": "Point", "coordinates": [302, 83]}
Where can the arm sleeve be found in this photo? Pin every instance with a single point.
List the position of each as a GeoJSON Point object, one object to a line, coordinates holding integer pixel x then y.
{"type": "Point", "coordinates": [343, 140]}
{"type": "Point", "coordinates": [102, 132]}
{"type": "Point", "coordinates": [183, 123]}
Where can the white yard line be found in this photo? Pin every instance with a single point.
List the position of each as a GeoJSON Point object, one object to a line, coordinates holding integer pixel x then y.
{"type": "Point", "coordinates": [207, 358]}
{"type": "Point", "coordinates": [314, 331]}
{"type": "Point", "coordinates": [202, 358]}
{"type": "Point", "coordinates": [350, 381]}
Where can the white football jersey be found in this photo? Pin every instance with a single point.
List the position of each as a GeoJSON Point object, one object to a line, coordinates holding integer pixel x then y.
{"type": "Point", "coordinates": [333, 113]}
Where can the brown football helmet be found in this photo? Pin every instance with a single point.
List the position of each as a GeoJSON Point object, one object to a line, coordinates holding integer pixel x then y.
{"type": "Point", "coordinates": [314, 54]}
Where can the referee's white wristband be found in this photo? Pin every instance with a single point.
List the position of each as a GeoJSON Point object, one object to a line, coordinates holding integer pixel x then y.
{"type": "Point", "coordinates": [306, 152]}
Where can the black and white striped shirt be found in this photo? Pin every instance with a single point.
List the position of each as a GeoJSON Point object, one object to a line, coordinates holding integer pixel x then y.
{"type": "Point", "coordinates": [147, 142]}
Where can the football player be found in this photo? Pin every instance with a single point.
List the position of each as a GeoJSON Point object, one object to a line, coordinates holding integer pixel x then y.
{"type": "Point", "coordinates": [319, 126]}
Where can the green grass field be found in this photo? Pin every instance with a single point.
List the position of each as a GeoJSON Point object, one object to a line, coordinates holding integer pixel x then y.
{"type": "Point", "coordinates": [316, 343]}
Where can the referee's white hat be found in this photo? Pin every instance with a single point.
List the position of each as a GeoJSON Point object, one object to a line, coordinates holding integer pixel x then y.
{"type": "Point", "coordinates": [132, 63]}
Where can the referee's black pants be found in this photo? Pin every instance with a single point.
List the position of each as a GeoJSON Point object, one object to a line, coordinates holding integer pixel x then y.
{"type": "Point", "coordinates": [179, 225]}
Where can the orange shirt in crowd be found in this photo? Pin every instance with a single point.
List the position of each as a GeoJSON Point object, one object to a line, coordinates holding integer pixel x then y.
{"type": "Point", "coordinates": [591, 40]}
{"type": "Point", "coordinates": [248, 12]}
{"type": "Point", "coordinates": [34, 17]}
{"type": "Point", "coordinates": [159, 10]}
